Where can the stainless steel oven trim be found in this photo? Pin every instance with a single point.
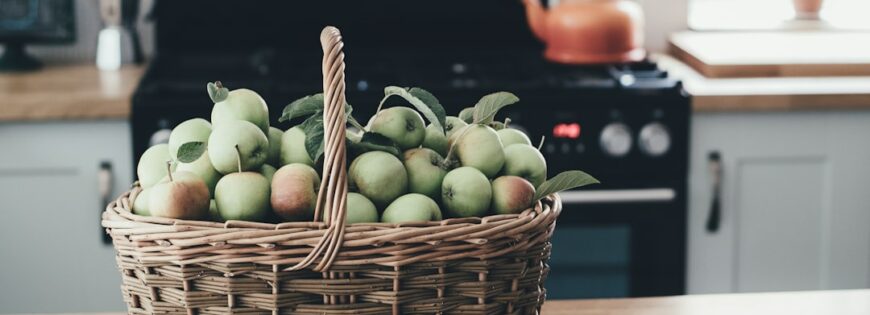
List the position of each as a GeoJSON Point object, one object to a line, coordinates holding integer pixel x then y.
{"type": "Point", "coordinates": [618, 196]}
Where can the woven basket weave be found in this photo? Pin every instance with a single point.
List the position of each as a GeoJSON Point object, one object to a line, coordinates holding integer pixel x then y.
{"type": "Point", "coordinates": [491, 265]}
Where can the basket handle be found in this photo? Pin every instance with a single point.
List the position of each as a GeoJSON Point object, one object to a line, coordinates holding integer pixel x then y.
{"type": "Point", "coordinates": [332, 196]}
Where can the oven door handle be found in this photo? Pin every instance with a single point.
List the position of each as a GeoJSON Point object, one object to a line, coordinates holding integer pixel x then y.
{"type": "Point", "coordinates": [618, 196]}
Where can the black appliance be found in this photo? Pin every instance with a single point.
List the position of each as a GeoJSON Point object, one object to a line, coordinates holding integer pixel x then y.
{"type": "Point", "coordinates": [626, 124]}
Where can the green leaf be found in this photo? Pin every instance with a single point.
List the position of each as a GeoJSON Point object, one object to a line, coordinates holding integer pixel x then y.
{"type": "Point", "coordinates": [216, 91]}
{"type": "Point", "coordinates": [302, 107]}
{"type": "Point", "coordinates": [564, 181]}
{"type": "Point", "coordinates": [311, 104]}
{"type": "Point", "coordinates": [191, 151]}
{"type": "Point", "coordinates": [372, 141]}
{"type": "Point", "coordinates": [313, 129]}
{"type": "Point", "coordinates": [489, 105]}
{"type": "Point", "coordinates": [423, 101]}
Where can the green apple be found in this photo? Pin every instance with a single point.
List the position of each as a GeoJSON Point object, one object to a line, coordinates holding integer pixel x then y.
{"type": "Point", "coordinates": [510, 136]}
{"type": "Point", "coordinates": [511, 194]}
{"type": "Point", "coordinates": [467, 114]}
{"type": "Point", "coordinates": [466, 192]}
{"type": "Point", "coordinates": [202, 167]}
{"type": "Point", "coordinates": [525, 161]}
{"type": "Point", "coordinates": [294, 192]}
{"type": "Point", "coordinates": [241, 104]}
{"type": "Point", "coordinates": [140, 205]}
{"type": "Point", "coordinates": [191, 130]}
{"type": "Point", "coordinates": [293, 147]}
{"type": "Point", "coordinates": [182, 195]}
{"type": "Point", "coordinates": [243, 196]}
{"type": "Point", "coordinates": [425, 171]}
{"type": "Point", "coordinates": [478, 146]}
{"type": "Point", "coordinates": [253, 147]}
{"type": "Point", "coordinates": [452, 124]}
{"type": "Point", "coordinates": [268, 171]}
{"type": "Point", "coordinates": [379, 176]}
{"type": "Point", "coordinates": [213, 213]}
{"type": "Point", "coordinates": [360, 209]}
{"type": "Point", "coordinates": [274, 136]}
{"type": "Point", "coordinates": [401, 124]}
{"type": "Point", "coordinates": [436, 140]}
{"type": "Point", "coordinates": [412, 208]}
{"type": "Point", "coordinates": [152, 165]}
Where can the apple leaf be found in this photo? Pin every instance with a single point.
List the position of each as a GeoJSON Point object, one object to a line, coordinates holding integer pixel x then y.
{"type": "Point", "coordinates": [191, 151]}
{"type": "Point", "coordinates": [216, 91]}
{"type": "Point", "coordinates": [313, 129]}
{"type": "Point", "coordinates": [372, 141]}
{"type": "Point", "coordinates": [423, 101]}
{"type": "Point", "coordinates": [489, 105]}
{"type": "Point", "coordinates": [302, 107]}
{"type": "Point", "coordinates": [310, 105]}
{"type": "Point", "coordinates": [564, 181]}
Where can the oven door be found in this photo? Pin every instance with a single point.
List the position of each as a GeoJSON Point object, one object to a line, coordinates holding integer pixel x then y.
{"type": "Point", "coordinates": [619, 243]}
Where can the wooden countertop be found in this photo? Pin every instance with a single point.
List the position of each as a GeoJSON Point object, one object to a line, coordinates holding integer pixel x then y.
{"type": "Point", "coordinates": [68, 92]}
{"type": "Point", "coordinates": [842, 302]}
{"type": "Point", "coordinates": [769, 94]}
{"type": "Point", "coordinates": [846, 302]}
{"type": "Point", "coordinates": [774, 54]}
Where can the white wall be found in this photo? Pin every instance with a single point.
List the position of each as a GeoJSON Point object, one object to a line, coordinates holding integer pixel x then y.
{"type": "Point", "coordinates": [662, 18]}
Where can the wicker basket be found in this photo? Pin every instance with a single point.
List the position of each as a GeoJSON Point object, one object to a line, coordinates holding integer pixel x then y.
{"type": "Point", "coordinates": [491, 265]}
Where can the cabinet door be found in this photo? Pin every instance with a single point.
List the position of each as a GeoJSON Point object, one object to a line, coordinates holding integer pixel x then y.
{"type": "Point", "coordinates": [795, 212]}
{"type": "Point", "coordinates": [53, 256]}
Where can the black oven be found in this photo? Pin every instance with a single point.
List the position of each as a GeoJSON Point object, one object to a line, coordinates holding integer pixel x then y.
{"type": "Point", "coordinates": [627, 236]}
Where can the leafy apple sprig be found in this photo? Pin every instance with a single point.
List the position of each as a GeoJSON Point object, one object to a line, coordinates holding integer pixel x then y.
{"type": "Point", "coordinates": [422, 100]}
{"type": "Point", "coordinates": [483, 113]}
{"type": "Point", "coordinates": [312, 106]}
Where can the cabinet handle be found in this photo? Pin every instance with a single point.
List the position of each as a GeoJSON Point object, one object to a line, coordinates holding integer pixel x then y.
{"type": "Point", "coordinates": [714, 218]}
{"type": "Point", "coordinates": [104, 186]}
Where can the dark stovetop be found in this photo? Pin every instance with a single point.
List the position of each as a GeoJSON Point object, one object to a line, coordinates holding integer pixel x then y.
{"type": "Point", "coordinates": [269, 71]}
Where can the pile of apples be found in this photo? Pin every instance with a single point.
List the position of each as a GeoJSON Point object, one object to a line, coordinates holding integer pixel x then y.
{"type": "Point", "coordinates": [237, 167]}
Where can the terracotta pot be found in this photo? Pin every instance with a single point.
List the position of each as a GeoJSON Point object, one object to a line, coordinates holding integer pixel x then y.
{"type": "Point", "coordinates": [807, 9]}
{"type": "Point", "coordinates": [589, 31]}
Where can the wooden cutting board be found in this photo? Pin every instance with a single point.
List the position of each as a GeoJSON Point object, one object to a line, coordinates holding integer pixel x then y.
{"type": "Point", "coordinates": [774, 54]}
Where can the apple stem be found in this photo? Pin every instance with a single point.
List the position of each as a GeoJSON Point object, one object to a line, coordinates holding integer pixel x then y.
{"type": "Point", "coordinates": [449, 156]}
{"type": "Point", "coordinates": [169, 170]}
{"type": "Point", "coordinates": [239, 158]}
{"type": "Point", "coordinates": [380, 105]}
{"type": "Point", "coordinates": [541, 144]}
{"type": "Point", "coordinates": [507, 121]}
{"type": "Point", "coordinates": [218, 84]}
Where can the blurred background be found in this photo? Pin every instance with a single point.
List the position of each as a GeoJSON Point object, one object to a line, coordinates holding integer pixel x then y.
{"type": "Point", "coordinates": [731, 137]}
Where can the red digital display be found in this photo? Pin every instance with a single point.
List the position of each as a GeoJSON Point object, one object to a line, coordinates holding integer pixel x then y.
{"type": "Point", "coordinates": [567, 130]}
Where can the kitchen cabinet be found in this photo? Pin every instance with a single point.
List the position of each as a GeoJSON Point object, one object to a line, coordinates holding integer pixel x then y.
{"type": "Point", "coordinates": [53, 255]}
{"type": "Point", "coordinates": [795, 207]}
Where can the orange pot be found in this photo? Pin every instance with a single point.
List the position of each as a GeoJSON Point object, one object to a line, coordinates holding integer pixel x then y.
{"type": "Point", "coordinates": [589, 31]}
{"type": "Point", "coordinates": [807, 9]}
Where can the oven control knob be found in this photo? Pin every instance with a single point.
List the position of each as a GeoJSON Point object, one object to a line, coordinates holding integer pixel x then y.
{"type": "Point", "coordinates": [654, 140]}
{"type": "Point", "coordinates": [616, 139]}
